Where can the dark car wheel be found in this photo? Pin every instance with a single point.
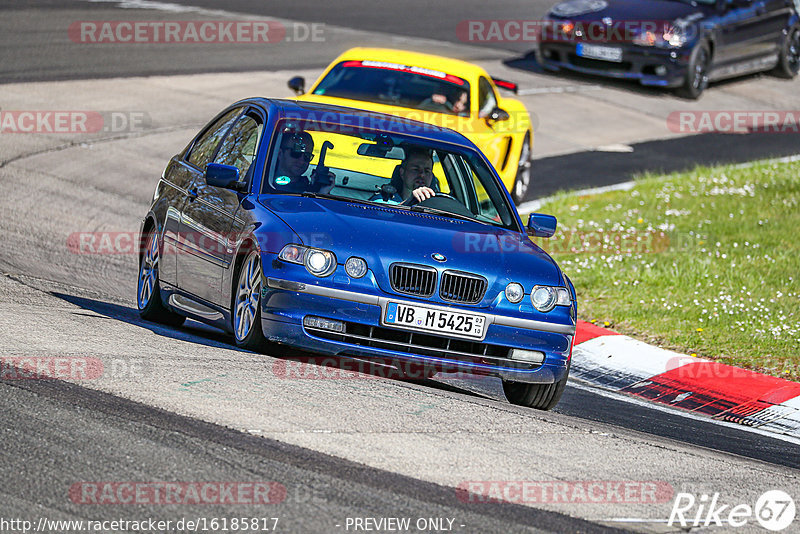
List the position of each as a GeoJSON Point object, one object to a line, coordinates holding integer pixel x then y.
{"type": "Point", "coordinates": [539, 396]}
{"type": "Point", "coordinates": [246, 312]}
{"type": "Point", "coordinates": [148, 293]}
{"type": "Point", "coordinates": [697, 73]}
{"type": "Point", "coordinates": [789, 59]}
{"type": "Point", "coordinates": [523, 179]}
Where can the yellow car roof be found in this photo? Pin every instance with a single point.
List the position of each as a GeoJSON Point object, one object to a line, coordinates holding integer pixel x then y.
{"type": "Point", "coordinates": [456, 67]}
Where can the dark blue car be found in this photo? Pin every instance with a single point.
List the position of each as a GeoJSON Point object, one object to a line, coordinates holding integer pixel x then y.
{"type": "Point", "coordinates": [680, 44]}
{"type": "Point", "coordinates": [359, 235]}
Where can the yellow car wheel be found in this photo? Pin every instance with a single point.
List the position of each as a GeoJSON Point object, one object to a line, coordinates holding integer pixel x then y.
{"type": "Point", "coordinates": [523, 180]}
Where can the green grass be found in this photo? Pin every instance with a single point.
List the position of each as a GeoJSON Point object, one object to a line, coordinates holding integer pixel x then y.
{"type": "Point", "coordinates": [705, 262]}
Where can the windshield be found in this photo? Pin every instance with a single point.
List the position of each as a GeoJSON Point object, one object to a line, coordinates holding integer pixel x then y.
{"type": "Point", "coordinates": [397, 85]}
{"type": "Point", "coordinates": [344, 162]}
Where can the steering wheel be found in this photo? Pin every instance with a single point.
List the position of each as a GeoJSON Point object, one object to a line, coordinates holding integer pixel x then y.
{"type": "Point", "coordinates": [412, 200]}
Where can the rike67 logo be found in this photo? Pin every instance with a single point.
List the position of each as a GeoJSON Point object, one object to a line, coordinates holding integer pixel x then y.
{"type": "Point", "coordinates": [774, 510]}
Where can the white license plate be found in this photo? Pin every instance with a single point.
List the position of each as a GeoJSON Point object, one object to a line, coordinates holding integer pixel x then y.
{"type": "Point", "coordinates": [433, 320]}
{"type": "Point", "coordinates": [606, 53]}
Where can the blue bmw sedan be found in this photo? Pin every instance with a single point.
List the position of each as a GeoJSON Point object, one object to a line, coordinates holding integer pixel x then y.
{"type": "Point", "coordinates": [358, 235]}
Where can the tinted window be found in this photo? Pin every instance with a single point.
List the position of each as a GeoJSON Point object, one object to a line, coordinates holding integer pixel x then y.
{"type": "Point", "coordinates": [239, 147]}
{"type": "Point", "coordinates": [370, 166]}
{"type": "Point", "coordinates": [205, 147]}
{"type": "Point", "coordinates": [397, 85]}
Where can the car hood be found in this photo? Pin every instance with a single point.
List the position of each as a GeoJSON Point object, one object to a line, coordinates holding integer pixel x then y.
{"type": "Point", "coordinates": [383, 236]}
{"type": "Point", "coordinates": [618, 10]}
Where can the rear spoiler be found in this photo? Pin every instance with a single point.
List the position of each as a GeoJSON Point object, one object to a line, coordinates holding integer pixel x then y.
{"type": "Point", "coordinates": [504, 84]}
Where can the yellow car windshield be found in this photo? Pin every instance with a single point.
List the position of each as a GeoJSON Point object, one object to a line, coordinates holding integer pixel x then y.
{"type": "Point", "coordinates": [397, 85]}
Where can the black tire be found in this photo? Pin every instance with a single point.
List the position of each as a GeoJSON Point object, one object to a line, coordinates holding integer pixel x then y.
{"type": "Point", "coordinates": [246, 304]}
{"type": "Point", "coordinates": [789, 58]}
{"type": "Point", "coordinates": [522, 181]}
{"type": "Point", "coordinates": [697, 73]}
{"type": "Point", "coordinates": [539, 396]}
{"type": "Point", "coordinates": [148, 292]}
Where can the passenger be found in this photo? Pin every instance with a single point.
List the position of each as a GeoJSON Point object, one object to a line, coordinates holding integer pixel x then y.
{"type": "Point", "coordinates": [456, 101]}
{"type": "Point", "coordinates": [295, 154]}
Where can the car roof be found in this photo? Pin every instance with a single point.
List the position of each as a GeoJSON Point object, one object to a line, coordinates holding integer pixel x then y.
{"type": "Point", "coordinates": [456, 67]}
{"type": "Point", "coordinates": [357, 117]}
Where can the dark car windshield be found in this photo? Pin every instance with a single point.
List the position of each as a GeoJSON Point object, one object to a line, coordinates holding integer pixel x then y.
{"type": "Point", "coordinates": [344, 162]}
{"type": "Point", "coordinates": [397, 85]}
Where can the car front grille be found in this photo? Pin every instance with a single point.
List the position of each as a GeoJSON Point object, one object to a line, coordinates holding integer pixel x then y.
{"type": "Point", "coordinates": [599, 64]}
{"type": "Point", "coordinates": [463, 288]}
{"type": "Point", "coordinates": [417, 280]}
{"type": "Point", "coordinates": [421, 344]}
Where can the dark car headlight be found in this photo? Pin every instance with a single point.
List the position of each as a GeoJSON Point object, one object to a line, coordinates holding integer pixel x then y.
{"type": "Point", "coordinates": [545, 298]}
{"type": "Point", "coordinates": [673, 35]}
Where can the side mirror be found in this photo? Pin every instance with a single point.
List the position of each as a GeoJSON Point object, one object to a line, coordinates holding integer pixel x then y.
{"type": "Point", "coordinates": [541, 225]}
{"type": "Point", "coordinates": [498, 114]}
{"type": "Point", "coordinates": [298, 85]}
{"type": "Point", "coordinates": [224, 176]}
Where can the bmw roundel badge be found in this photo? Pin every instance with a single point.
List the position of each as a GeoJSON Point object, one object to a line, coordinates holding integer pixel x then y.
{"type": "Point", "coordinates": [438, 257]}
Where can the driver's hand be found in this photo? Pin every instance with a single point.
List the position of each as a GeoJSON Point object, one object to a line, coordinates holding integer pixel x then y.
{"type": "Point", "coordinates": [423, 193]}
{"type": "Point", "coordinates": [315, 176]}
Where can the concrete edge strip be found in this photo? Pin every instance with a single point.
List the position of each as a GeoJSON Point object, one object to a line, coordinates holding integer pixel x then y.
{"type": "Point", "coordinates": [704, 387]}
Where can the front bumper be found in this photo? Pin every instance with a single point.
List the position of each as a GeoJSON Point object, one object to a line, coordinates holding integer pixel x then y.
{"type": "Point", "coordinates": [285, 303]}
{"type": "Point", "coordinates": [639, 63]}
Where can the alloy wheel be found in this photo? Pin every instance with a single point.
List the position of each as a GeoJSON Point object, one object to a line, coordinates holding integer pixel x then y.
{"type": "Point", "coordinates": [148, 272]}
{"type": "Point", "coordinates": [247, 296]}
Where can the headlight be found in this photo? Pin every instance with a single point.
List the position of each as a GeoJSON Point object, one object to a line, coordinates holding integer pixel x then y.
{"type": "Point", "coordinates": [514, 292]}
{"type": "Point", "coordinates": [355, 267]}
{"type": "Point", "coordinates": [545, 298]}
{"type": "Point", "coordinates": [320, 262]}
{"type": "Point", "coordinates": [670, 36]}
{"type": "Point", "coordinates": [293, 253]}
{"type": "Point", "coordinates": [317, 261]}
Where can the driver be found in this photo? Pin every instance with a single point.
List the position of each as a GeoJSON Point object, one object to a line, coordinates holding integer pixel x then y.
{"type": "Point", "coordinates": [416, 174]}
{"type": "Point", "coordinates": [295, 153]}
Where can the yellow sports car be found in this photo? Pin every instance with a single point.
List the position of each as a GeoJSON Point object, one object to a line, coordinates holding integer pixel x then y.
{"type": "Point", "coordinates": [436, 90]}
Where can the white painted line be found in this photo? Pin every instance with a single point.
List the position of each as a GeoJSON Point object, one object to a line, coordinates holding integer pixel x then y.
{"type": "Point", "coordinates": [533, 205]}
{"type": "Point", "coordinates": [786, 159]}
{"type": "Point", "coordinates": [558, 89]}
{"type": "Point", "coordinates": [617, 147]}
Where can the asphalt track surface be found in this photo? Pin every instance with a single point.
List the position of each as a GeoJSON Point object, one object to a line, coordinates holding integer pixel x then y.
{"type": "Point", "coordinates": [196, 416]}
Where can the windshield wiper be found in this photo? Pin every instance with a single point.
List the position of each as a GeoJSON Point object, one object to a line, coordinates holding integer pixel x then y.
{"type": "Point", "coordinates": [434, 211]}
{"type": "Point", "coordinates": [318, 195]}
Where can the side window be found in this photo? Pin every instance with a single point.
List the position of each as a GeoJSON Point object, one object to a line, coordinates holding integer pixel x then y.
{"type": "Point", "coordinates": [204, 148]}
{"type": "Point", "coordinates": [239, 147]}
{"type": "Point", "coordinates": [486, 99]}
